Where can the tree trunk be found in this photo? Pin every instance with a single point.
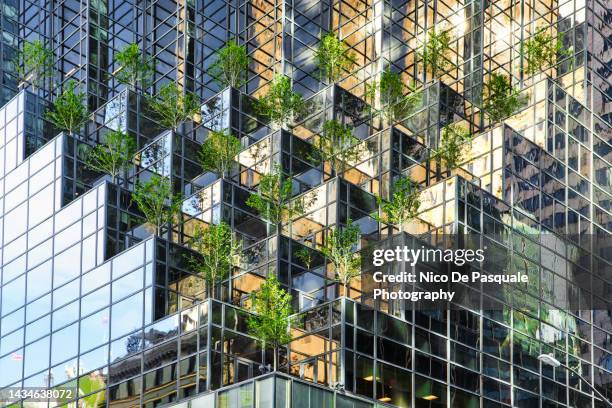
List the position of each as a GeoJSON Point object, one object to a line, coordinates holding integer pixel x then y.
{"type": "Point", "coordinates": [275, 358]}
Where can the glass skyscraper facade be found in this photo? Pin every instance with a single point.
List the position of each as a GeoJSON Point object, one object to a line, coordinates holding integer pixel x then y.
{"type": "Point", "coordinates": [92, 301]}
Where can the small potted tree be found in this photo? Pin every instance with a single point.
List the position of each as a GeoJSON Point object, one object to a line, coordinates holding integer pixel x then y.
{"type": "Point", "coordinates": [68, 112]}
{"type": "Point", "coordinates": [339, 250]}
{"type": "Point", "coordinates": [34, 63]}
{"type": "Point", "coordinates": [172, 106]}
{"type": "Point", "coordinates": [501, 99]}
{"type": "Point", "coordinates": [436, 52]}
{"type": "Point", "coordinates": [218, 152]}
{"type": "Point", "coordinates": [231, 66]}
{"type": "Point", "coordinates": [280, 104]}
{"type": "Point", "coordinates": [453, 137]}
{"type": "Point", "coordinates": [271, 318]}
{"type": "Point", "coordinates": [542, 51]}
{"type": "Point", "coordinates": [336, 145]}
{"type": "Point", "coordinates": [134, 68]}
{"type": "Point", "coordinates": [218, 252]}
{"type": "Point", "coordinates": [396, 99]}
{"type": "Point", "coordinates": [403, 205]}
{"type": "Point", "coordinates": [113, 155]}
{"type": "Point", "coordinates": [156, 200]}
{"type": "Point", "coordinates": [333, 58]}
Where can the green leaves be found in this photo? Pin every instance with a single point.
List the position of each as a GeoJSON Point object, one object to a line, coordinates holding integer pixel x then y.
{"type": "Point", "coordinates": [156, 201]}
{"type": "Point", "coordinates": [231, 66]}
{"type": "Point", "coordinates": [272, 311]}
{"type": "Point", "coordinates": [113, 155]}
{"type": "Point", "coordinates": [338, 249]}
{"type": "Point", "coordinates": [336, 145]}
{"type": "Point", "coordinates": [403, 205]}
{"type": "Point", "coordinates": [218, 253]}
{"type": "Point", "coordinates": [436, 52]}
{"type": "Point", "coordinates": [390, 91]}
{"type": "Point", "coordinates": [501, 99]}
{"type": "Point", "coordinates": [173, 107]}
{"type": "Point", "coordinates": [34, 63]}
{"type": "Point", "coordinates": [542, 51]}
{"type": "Point", "coordinates": [134, 68]}
{"type": "Point", "coordinates": [451, 141]}
{"type": "Point", "coordinates": [68, 113]}
{"type": "Point", "coordinates": [218, 152]}
{"type": "Point", "coordinates": [280, 104]}
{"type": "Point", "coordinates": [333, 57]}
{"type": "Point", "coordinates": [273, 200]}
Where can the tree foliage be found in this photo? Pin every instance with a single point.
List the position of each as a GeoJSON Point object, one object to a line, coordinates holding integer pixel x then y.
{"type": "Point", "coordinates": [218, 152]}
{"type": "Point", "coordinates": [34, 63]}
{"type": "Point", "coordinates": [157, 202]}
{"type": "Point", "coordinates": [305, 256]}
{"type": "Point", "coordinates": [542, 51]}
{"type": "Point", "coordinates": [452, 139]}
{"type": "Point", "coordinates": [501, 99]}
{"type": "Point", "coordinates": [337, 145]}
{"type": "Point", "coordinates": [219, 252]}
{"type": "Point", "coordinates": [68, 112]}
{"type": "Point", "coordinates": [339, 250]}
{"type": "Point", "coordinates": [403, 205]}
{"type": "Point", "coordinates": [390, 91]}
{"type": "Point", "coordinates": [272, 315]}
{"type": "Point", "coordinates": [280, 104]}
{"type": "Point", "coordinates": [173, 107]}
{"type": "Point", "coordinates": [333, 57]}
{"type": "Point", "coordinates": [231, 66]}
{"type": "Point", "coordinates": [113, 155]}
{"type": "Point", "coordinates": [273, 200]}
{"type": "Point", "coordinates": [436, 52]}
{"type": "Point", "coordinates": [134, 68]}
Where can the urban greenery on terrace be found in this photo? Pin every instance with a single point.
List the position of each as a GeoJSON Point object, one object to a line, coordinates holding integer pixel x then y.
{"type": "Point", "coordinates": [436, 52]}
{"type": "Point", "coordinates": [231, 66]}
{"type": "Point", "coordinates": [542, 51]}
{"type": "Point", "coordinates": [218, 252]}
{"type": "Point", "coordinates": [173, 106]}
{"type": "Point", "coordinates": [403, 205]}
{"type": "Point", "coordinates": [272, 310]}
{"type": "Point", "coordinates": [69, 112]}
{"type": "Point", "coordinates": [453, 137]}
{"type": "Point", "coordinates": [218, 152]}
{"type": "Point", "coordinates": [156, 200]}
{"type": "Point", "coordinates": [336, 145]}
{"type": "Point", "coordinates": [501, 99]}
{"type": "Point", "coordinates": [113, 155]}
{"type": "Point", "coordinates": [280, 104]}
{"type": "Point", "coordinates": [34, 63]}
{"type": "Point", "coordinates": [134, 68]}
{"type": "Point", "coordinates": [333, 57]}
{"type": "Point", "coordinates": [339, 249]}
{"type": "Point", "coordinates": [273, 200]}
{"type": "Point", "coordinates": [395, 98]}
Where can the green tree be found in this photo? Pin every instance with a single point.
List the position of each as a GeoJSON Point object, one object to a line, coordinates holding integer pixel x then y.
{"type": "Point", "coordinates": [333, 57]}
{"type": "Point", "coordinates": [271, 320]}
{"type": "Point", "coordinates": [542, 51]}
{"type": "Point", "coordinates": [157, 202]}
{"type": "Point", "coordinates": [403, 205]}
{"type": "Point", "coordinates": [218, 152]}
{"type": "Point", "coordinates": [337, 145]}
{"type": "Point", "coordinates": [68, 112]}
{"type": "Point", "coordinates": [280, 104]}
{"type": "Point", "coordinates": [113, 155]}
{"type": "Point", "coordinates": [304, 255]}
{"type": "Point", "coordinates": [452, 139]}
{"type": "Point", "coordinates": [134, 67]}
{"type": "Point", "coordinates": [173, 107]}
{"type": "Point", "coordinates": [390, 91]}
{"type": "Point", "coordinates": [501, 99]}
{"type": "Point", "coordinates": [436, 52]}
{"type": "Point", "coordinates": [218, 252]}
{"type": "Point", "coordinates": [273, 200]}
{"type": "Point", "coordinates": [34, 63]}
{"type": "Point", "coordinates": [339, 250]}
{"type": "Point", "coordinates": [231, 66]}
